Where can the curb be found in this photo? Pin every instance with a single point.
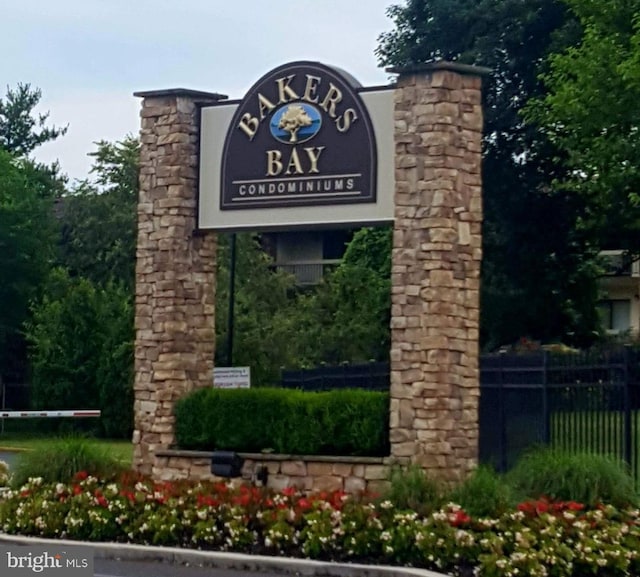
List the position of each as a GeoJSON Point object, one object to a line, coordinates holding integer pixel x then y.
{"type": "Point", "coordinates": [227, 561]}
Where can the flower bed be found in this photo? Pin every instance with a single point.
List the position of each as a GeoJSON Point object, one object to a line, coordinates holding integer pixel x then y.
{"type": "Point", "coordinates": [538, 539]}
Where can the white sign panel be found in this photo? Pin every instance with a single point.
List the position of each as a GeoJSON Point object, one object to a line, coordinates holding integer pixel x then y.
{"type": "Point", "coordinates": [215, 122]}
{"type": "Point", "coordinates": [232, 377]}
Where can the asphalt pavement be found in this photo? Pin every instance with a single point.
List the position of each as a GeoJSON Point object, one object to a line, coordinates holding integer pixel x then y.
{"type": "Point", "coordinates": [113, 568]}
{"type": "Point", "coordinates": [125, 560]}
{"type": "Point", "coordinates": [9, 457]}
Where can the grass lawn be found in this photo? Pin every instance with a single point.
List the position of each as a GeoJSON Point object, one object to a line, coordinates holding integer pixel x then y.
{"type": "Point", "coordinates": [123, 450]}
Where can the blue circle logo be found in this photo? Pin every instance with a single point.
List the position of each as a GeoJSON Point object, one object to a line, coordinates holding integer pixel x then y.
{"type": "Point", "coordinates": [295, 123]}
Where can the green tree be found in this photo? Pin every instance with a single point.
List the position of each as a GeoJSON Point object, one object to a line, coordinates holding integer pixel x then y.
{"type": "Point", "coordinates": [99, 218]}
{"type": "Point", "coordinates": [591, 115]}
{"type": "Point", "coordinates": [346, 319]}
{"type": "Point", "coordinates": [81, 334]}
{"type": "Point", "coordinates": [81, 351]}
{"type": "Point", "coordinates": [26, 250]}
{"type": "Point", "coordinates": [537, 271]}
{"type": "Point", "coordinates": [265, 318]}
{"type": "Point", "coordinates": [21, 129]}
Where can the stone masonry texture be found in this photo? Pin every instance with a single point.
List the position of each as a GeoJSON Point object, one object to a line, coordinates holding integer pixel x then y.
{"type": "Point", "coordinates": [436, 261]}
{"type": "Point", "coordinates": [436, 271]}
{"type": "Point", "coordinates": [175, 273]}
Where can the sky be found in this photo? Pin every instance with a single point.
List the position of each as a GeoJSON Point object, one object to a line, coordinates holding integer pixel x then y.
{"type": "Point", "coordinates": [88, 57]}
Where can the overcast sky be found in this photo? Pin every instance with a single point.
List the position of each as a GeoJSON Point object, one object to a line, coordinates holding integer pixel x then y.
{"type": "Point", "coordinates": [89, 56]}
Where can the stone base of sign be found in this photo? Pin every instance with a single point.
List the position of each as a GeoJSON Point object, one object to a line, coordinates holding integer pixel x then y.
{"type": "Point", "coordinates": [305, 472]}
{"type": "Point", "coordinates": [435, 284]}
{"type": "Point", "coordinates": [175, 271]}
{"type": "Point", "coordinates": [435, 275]}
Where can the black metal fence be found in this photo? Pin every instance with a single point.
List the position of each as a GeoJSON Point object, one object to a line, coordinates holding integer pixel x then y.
{"type": "Point", "coordinates": [583, 402]}
{"type": "Point", "coordinates": [370, 376]}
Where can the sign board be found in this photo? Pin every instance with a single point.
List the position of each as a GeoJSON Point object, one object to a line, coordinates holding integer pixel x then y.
{"type": "Point", "coordinates": [301, 136]}
{"type": "Point", "coordinates": [232, 377]}
{"type": "Point", "coordinates": [307, 146]}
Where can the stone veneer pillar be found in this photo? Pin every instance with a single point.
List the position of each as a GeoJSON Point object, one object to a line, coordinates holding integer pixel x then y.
{"type": "Point", "coordinates": [175, 271]}
{"type": "Point", "coordinates": [436, 268]}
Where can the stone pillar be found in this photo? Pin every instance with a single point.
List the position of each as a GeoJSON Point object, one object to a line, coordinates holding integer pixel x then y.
{"type": "Point", "coordinates": [436, 269]}
{"type": "Point", "coordinates": [175, 271]}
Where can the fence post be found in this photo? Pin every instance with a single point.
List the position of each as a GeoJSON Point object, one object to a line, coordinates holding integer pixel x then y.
{"type": "Point", "coordinates": [627, 409]}
{"type": "Point", "coordinates": [502, 413]}
{"type": "Point", "coordinates": [546, 417]}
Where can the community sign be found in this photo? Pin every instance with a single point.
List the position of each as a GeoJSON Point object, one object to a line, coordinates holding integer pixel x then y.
{"type": "Point", "coordinates": [306, 146]}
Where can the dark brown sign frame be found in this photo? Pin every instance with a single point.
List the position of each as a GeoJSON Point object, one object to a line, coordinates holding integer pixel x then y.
{"type": "Point", "coordinates": [302, 136]}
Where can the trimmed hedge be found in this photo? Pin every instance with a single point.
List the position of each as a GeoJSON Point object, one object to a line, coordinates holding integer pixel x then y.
{"type": "Point", "coordinates": [345, 422]}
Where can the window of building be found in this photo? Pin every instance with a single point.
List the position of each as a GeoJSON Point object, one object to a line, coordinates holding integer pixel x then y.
{"type": "Point", "coordinates": [615, 315]}
{"type": "Point", "coordinates": [334, 243]}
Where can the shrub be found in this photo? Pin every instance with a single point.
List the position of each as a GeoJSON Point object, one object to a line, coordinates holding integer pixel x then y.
{"type": "Point", "coordinates": [346, 422]}
{"type": "Point", "coordinates": [60, 460]}
{"type": "Point", "coordinates": [81, 353]}
{"type": "Point", "coordinates": [583, 477]}
{"type": "Point", "coordinates": [483, 494]}
{"type": "Point", "coordinates": [412, 489]}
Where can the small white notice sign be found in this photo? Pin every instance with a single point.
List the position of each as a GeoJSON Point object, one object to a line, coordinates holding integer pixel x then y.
{"type": "Point", "coordinates": [232, 377]}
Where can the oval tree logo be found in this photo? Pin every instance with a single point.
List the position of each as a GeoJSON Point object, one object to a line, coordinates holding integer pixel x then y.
{"type": "Point", "coordinates": [295, 123]}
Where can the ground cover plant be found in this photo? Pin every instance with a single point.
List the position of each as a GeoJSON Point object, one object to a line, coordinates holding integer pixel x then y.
{"type": "Point", "coordinates": [417, 523]}
{"type": "Point", "coordinates": [537, 538]}
{"type": "Point", "coordinates": [26, 440]}
{"type": "Point", "coordinates": [58, 460]}
{"type": "Point", "coordinates": [577, 476]}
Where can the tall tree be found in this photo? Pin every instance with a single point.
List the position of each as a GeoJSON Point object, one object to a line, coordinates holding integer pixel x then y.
{"type": "Point", "coordinates": [537, 277]}
{"type": "Point", "coordinates": [21, 129]}
{"type": "Point", "coordinates": [26, 250]}
{"type": "Point", "coordinates": [100, 218]}
{"type": "Point", "coordinates": [591, 114]}
{"type": "Point", "coordinates": [347, 317]}
{"type": "Point", "coordinates": [266, 327]}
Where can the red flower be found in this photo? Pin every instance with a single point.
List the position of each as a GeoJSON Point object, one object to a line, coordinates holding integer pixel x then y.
{"type": "Point", "coordinates": [289, 491]}
{"type": "Point", "coordinates": [459, 518]}
{"type": "Point", "coordinates": [527, 508]}
{"type": "Point", "coordinates": [542, 506]}
{"type": "Point", "coordinates": [221, 488]}
{"type": "Point", "coordinates": [534, 508]}
{"type": "Point", "coordinates": [77, 490]}
{"type": "Point", "coordinates": [242, 500]}
{"type": "Point", "coordinates": [304, 504]}
{"type": "Point", "coordinates": [81, 475]}
{"type": "Point", "coordinates": [337, 499]}
{"type": "Point", "coordinates": [128, 495]}
{"type": "Point", "coordinates": [207, 501]}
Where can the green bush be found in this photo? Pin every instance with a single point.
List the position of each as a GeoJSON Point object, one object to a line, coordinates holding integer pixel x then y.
{"type": "Point", "coordinates": [346, 422]}
{"type": "Point", "coordinates": [60, 460]}
{"type": "Point", "coordinates": [583, 477]}
{"type": "Point", "coordinates": [410, 488]}
{"type": "Point", "coordinates": [484, 494]}
{"type": "Point", "coordinates": [81, 353]}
